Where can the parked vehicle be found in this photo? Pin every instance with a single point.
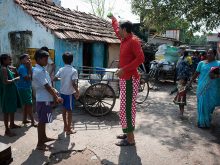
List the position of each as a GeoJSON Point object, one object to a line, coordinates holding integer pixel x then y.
{"type": "Point", "coordinates": [162, 71]}
{"type": "Point", "coordinates": [99, 88]}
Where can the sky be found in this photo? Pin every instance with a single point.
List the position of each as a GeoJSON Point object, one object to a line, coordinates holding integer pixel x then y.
{"type": "Point", "coordinates": [121, 8]}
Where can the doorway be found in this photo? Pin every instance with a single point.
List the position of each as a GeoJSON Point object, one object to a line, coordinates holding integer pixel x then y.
{"type": "Point", "coordinates": [87, 54]}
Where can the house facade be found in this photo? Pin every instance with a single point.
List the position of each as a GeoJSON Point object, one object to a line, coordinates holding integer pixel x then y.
{"type": "Point", "coordinates": [213, 41]}
{"type": "Point", "coordinates": [159, 40]}
{"type": "Point", "coordinates": [26, 24]}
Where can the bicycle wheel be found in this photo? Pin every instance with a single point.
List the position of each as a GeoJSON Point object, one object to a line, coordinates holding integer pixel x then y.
{"type": "Point", "coordinates": [143, 91]}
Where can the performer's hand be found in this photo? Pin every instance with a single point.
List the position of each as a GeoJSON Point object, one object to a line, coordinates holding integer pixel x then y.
{"type": "Point", "coordinates": [119, 72]}
{"type": "Point", "coordinates": [110, 15]}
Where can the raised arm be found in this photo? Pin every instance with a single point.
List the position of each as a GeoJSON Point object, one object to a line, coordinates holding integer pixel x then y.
{"type": "Point", "coordinates": [115, 24]}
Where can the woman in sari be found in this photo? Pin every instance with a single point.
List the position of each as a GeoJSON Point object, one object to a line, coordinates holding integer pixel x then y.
{"type": "Point", "coordinates": [208, 89]}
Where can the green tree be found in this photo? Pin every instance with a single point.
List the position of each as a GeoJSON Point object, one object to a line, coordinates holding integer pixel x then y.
{"type": "Point", "coordinates": [198, 40]}
{"type": "Point", "coordinates": [101, 7]}
{"type": "Point", "coordinates": [160, 12]}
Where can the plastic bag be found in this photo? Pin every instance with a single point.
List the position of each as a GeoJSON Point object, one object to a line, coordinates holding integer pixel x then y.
{"type": "Point", "coordinates": [172, 54]}
{"type": "Point", "coordinates": [159, 55]}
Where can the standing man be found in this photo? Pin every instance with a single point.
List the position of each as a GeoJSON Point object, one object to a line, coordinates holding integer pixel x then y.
{"type": "Point", "coordinates": [50, 68]}
{"type": "Point", "coordinates": [131, 56]}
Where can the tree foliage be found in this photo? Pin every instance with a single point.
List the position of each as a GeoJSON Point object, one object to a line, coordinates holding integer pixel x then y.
{"type": "Point", "coordinates": [197, 13]}
{"type": "Point", "coordinates": [101, 7]}
{"type": "Point", "coordinates": [198, 40]}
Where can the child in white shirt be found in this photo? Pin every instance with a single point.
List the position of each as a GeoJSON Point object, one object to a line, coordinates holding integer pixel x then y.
{"type": "Point", "coordinates": [68, 90]}
{"type": "Point", "coordinates": [45, 96]}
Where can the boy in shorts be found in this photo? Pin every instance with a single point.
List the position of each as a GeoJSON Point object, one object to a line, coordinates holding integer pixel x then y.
{"type": "Point", "coordinates": [24, 88]}
{"type": "Point", "coordinates": [45, 95]}
{"type": "Point", "coordinates": [68, 90]}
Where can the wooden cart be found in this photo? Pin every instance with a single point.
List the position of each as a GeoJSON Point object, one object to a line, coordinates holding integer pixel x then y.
{"type": "Point", "coordinates": [101, 88]}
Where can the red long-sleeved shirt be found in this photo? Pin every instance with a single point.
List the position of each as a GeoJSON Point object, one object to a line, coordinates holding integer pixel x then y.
{"type": "Point", "coordinates": [131, 54]}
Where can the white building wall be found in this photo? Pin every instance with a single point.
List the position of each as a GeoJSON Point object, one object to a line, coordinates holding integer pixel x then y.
{"type": "Point", "coordinates": [13, 18]}
{"type": "Point", "coordinates": [213, 38]}
{"type": "Point", "coordinates": [173, 34]}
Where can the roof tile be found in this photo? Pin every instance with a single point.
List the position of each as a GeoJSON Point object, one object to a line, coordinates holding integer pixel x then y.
{"type": "Point", "coordinates": [67, 24]}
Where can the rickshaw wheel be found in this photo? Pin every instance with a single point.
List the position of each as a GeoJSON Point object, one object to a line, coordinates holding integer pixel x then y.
{"type": "Point", "coordinates": [143, 91]}
{"type": "Point", "coordinates": [99, 99]}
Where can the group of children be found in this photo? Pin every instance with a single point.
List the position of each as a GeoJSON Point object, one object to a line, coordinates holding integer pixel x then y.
{"type": "Point", "coordinates": [16, 87]}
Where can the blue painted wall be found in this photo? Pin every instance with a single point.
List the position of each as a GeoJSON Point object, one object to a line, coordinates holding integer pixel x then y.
{"type": "Point", "coordinates": [62, 46]}
{"type": "Point", "coordinates": [98, 52]}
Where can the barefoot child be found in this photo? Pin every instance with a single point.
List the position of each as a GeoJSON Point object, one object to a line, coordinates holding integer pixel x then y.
{"type": "Point", "coordinates": [8, 93]}
{"type": "Point", "coordinates": [69, 90]}
{"type": "Point", "coordinates": [180, 98]}
{"type": "Point", "coordinates": [45, 95]}
{"type": "Point", "coordinates": [24, 88]}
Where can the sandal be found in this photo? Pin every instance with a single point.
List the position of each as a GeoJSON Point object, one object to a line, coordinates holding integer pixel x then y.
{"type": "Point", "coordinates": [65, 129]}
{"type": "Point", "coordinates": [14, 126]}
{"type": "Point", "coordinates": [42, 148]}
{"type": "Point", "coordinates": [33, 125]}
{"type": "Point", "coordinates": [122, 136]}
{"type": "Point", "coordinates": [124, 142]}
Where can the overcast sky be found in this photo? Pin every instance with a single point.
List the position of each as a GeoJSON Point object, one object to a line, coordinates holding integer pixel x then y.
{"type": "Point", "coordinates": [121, 8]}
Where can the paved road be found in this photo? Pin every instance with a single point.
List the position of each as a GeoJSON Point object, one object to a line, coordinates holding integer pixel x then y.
{"type": "Point", "coordinates": [161, 137]}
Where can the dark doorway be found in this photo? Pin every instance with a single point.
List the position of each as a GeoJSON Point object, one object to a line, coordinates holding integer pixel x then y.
{"type": "Point", "coordinates": [19, 41]}
{"type": "Point", "coordinates": [87, 54]}
{"type": "Point", "coordinates": [106, 56]}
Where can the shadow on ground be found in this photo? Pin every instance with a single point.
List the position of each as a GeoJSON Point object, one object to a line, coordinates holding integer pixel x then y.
{"type": "Point", "coordinates": [128, 155]}
{"type": "Point", "coordinates": [160, 119]}
{"type": "Point", "coordinates": [19, 131]}
{"type": "Point", "coordinates": [83, 121]}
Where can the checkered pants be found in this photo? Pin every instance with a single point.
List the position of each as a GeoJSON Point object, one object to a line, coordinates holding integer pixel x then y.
{"type": "Point", "coordinates": [128, 94]}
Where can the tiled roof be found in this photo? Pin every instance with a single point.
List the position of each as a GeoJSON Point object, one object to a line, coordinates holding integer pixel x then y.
{"type": "Point", "coordinates": [68, 24]}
